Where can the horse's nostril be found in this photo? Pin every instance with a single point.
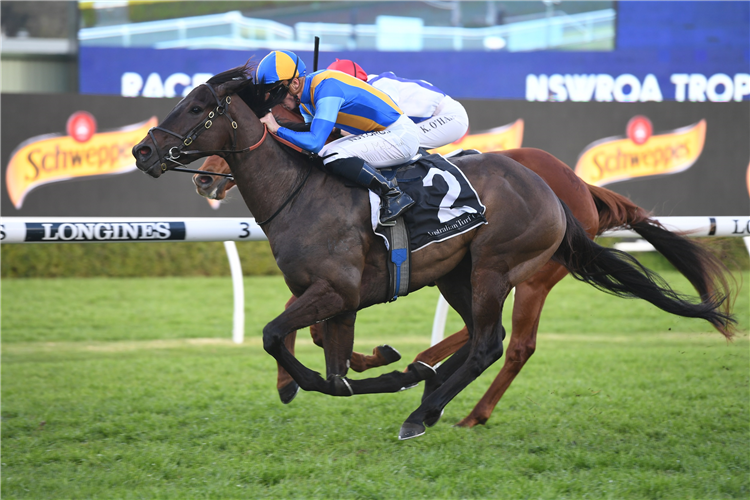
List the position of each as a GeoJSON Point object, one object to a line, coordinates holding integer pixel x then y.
{"type": "Point", "coordinates": [144, 151]}
{"type": "Point", "coordinates": [205, 179]}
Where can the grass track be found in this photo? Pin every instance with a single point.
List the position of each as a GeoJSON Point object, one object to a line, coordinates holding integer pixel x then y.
{"type": "Point", "coordinates": [111, 391]}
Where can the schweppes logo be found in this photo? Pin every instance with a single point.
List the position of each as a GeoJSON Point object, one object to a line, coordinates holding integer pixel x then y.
{"type": "Point", "coordinates": [105, 231]}
{"type": "Point", "coordinates": [641, 154]}
{"type": "Point", "coordinates": [81, 153]}
{"type": "Point", "coordinates": [496, 139]}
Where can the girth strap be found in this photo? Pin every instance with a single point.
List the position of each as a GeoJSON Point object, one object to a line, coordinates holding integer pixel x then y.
{"type": "Point", "coordinates": [399, 261]}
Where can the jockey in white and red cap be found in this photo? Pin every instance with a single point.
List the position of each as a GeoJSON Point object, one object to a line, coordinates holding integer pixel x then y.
{"type": "Point", "coordinates": [441, 120]}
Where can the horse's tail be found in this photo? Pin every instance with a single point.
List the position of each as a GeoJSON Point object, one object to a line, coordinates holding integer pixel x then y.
{"type": "Point", "coordinates": [705, 271]}
{"type": "Point", "coordinates": [615, 210]}
{"type": "Point", "coordinates": [619, 273]}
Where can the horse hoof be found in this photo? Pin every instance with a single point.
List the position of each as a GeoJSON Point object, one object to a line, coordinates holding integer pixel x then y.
{"type": "Point", "coordinates": [341, 386]}
{"type": "Point", "coordinates": [423, 370]}
{"type": "Point", "coordinates": [288, 392]}
{"type": "Point", "coordinates": [470, 421]}
{"type": "Point", "coordinates": [389, 354]}
{"type": "Point", "coordinates": [429, 422]}
{"type": "Point", "coordinates": [410, 430]}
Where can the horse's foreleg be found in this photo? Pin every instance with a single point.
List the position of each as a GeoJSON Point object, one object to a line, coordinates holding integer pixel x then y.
{"type": "Point", "coordinates": [319, 301]}
{"type": "Point", "coordinates": [285, 384]}
{"type": "Point", "coordinates": [338, 339]}
{"type": "Point", "coordinates": [527, 309]}
{"type": "Point", "coordinates": [381, 355]}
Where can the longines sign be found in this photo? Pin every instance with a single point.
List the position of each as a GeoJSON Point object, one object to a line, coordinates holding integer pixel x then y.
{"type": "Point", "coordinates": [104, 231]}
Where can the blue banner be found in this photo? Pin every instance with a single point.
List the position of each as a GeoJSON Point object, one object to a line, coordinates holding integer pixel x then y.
{"type": "Point", "coordinates": [689, 75]}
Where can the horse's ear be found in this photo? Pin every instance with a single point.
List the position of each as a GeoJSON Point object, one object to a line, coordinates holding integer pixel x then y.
{"type": "Point", "coordinates": [232, 86]}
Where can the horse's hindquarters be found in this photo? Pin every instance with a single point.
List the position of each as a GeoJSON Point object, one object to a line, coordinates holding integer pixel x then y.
{"type": "Point", "coordinates": [526, 222]}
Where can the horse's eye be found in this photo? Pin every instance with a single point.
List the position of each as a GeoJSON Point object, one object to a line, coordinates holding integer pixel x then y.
{"type": "Point", "coordinates": [195, 110]}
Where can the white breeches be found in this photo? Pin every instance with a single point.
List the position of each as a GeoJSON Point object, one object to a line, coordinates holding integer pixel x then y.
{"type": "Point", "coordinates": [397, 144]}
{"type": "Point", "coordinates": [449, 124]}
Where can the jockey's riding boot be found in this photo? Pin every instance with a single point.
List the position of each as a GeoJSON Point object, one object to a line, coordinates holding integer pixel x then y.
{"type": "Point", "coordinates": [394, 201]}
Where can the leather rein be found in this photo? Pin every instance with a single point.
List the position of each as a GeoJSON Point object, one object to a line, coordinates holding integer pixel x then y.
{"type": "Point", "coordinates": [221, 110]}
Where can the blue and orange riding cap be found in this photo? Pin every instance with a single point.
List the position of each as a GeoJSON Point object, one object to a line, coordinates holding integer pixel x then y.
{"type": "Point", "coordinates": [278, 66]}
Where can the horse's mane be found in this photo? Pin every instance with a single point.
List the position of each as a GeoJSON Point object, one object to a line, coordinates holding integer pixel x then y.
{"type": "Point", "coordinates": [260, 98]}
{"type": "Point", "coordinates": [255, 95]}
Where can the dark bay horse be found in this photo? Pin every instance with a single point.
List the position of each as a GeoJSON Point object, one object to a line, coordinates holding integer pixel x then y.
{"type": "Point", "coordinates": [598, 209]}
{"type": "Point", "coordinates": [319, 231]}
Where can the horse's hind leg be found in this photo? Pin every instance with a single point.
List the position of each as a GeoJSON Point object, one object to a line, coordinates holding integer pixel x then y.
{"type": "Point", "coordinates": [381, 355]}
{"type": "Point", "coordinates": [456, 288]}
{"type": "Point", "coordinates": [527, 309]}
{"type": "Point", "coordinates": [444, 348]}
{"type": "Point", "coordinates": [338, 341]}
{"type": "Point", "coordinates": [489, 290]}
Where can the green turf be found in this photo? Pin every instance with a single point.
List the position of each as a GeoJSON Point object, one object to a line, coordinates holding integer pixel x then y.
{"type": "Point", "coordinates": [131, 388]}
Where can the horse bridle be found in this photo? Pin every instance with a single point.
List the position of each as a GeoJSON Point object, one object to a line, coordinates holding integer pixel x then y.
{"type": "Point", "coordinates": [186, 140]}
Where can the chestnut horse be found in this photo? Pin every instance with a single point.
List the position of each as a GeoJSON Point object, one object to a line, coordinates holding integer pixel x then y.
{"type": "Point", "coordinates": [320, 233]}
{"type": "Point", "coordinates": [597, 208]}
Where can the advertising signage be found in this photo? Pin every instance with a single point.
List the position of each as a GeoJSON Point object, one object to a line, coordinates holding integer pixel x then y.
{"type": "Point", "coordinates": [689, 75]}
{"type": "Point", "coordinates": [71, 157]}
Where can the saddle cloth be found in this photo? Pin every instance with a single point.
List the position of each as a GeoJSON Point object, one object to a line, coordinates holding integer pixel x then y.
{"type": "Point", "coordinates": [446, 203]}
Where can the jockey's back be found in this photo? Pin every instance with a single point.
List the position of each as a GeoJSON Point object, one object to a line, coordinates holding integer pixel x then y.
{"type": "Point", "coordinates": [418, 99]}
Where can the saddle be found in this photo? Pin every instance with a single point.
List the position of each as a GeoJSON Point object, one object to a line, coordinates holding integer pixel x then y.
{"type": "Point", "coordinates": [446, 206]}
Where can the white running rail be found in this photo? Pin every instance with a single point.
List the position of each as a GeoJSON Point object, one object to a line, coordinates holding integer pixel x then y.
{"type": "Point", "coordinates": [230, 230]}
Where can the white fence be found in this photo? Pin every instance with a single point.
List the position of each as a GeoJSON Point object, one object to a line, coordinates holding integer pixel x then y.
{"type": "Point", "coordinates": [232, 30]}
{"type": "Point", "coordinates": [121, 229]}
{"type": "Point", "coordinates": [229, 230]}
{"type": "Point", "coordinates": [99, 230]}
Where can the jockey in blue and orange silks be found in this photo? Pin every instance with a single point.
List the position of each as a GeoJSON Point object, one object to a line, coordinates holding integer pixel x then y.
{"type": "Point", "coordinates": [440, 119]}
{"type": "Point", "coordinates": [380, 134]}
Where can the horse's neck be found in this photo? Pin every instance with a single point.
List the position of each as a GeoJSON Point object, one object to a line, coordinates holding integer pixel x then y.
{"type": "Point", "coordinates": [266, 177]}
